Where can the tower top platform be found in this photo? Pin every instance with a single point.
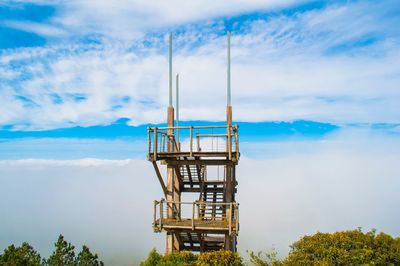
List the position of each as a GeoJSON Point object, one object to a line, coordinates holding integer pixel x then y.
{"type": "Point", "coordinates": [216, 145]}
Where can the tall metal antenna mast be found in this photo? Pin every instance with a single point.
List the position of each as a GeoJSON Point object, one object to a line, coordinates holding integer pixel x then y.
{"type": "Point", "coordinates": [170, 69]}
{"type": "Point", "coordinates": [228, 85]}
{"type": "Point", "coordinates": [228, 102]}
{"type": "Point", "coordinates": [177, 107]}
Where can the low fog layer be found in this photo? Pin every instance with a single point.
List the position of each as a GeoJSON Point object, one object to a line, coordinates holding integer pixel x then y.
{"type": "Point", "coordinates": [297, 188]}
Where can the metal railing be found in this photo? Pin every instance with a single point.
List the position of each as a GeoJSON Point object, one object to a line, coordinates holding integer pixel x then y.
{"type": "Point", "coordinates": [193, 140]}
{"type": "Point", "coordinates": [166, 216]}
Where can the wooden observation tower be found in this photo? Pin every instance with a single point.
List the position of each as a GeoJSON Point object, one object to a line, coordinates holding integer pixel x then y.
{"type": "Point", "coordinates": [200, 164]}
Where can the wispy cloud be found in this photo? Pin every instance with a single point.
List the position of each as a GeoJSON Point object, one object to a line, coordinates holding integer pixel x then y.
{"type": "Point", "coordinates": [337, 63]}
{"type": "Point", "coordinates": [34, 27]}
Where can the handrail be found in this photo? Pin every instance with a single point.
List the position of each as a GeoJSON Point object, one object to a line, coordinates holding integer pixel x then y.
{"type": "Point", "coordinates": [230, 218]}
{"type": "Point", "coordinates": [200, 202]}
{"type": "Point", "coordinates": [188, 127]}
{"type": "Point", "coordinates": [159, 137]}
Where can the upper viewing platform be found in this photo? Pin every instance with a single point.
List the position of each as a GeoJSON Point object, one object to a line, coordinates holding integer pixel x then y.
{"type": "Point", "coordinates": [213, 143]}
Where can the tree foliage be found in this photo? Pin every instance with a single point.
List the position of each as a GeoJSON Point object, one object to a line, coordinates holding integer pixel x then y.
{"type": "Point", "coordinates": [86, 258]}
{"type": "Point", "coordinates": [64, 255]}
{"type": "Point", "coordinates": [340, 248]}
{"type": "Point", "coordinates": [345, 248]}
{"type": "Point", "coordinates": [24, 255]}
{"type": "Point", "coordinates": [264, 259]}
{"type": "Point", "coordinates": [185, 258]}
{"type": "Point", "coordinates": [219, 258]}
{"type": "Point", "coordinates": [152, 259]}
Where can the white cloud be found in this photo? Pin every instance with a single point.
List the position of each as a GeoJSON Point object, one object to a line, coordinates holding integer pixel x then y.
{"type": "Point", "coordinates": [86, 162]}
{"type": "Point", "coordinates": [34, 27]}
{"type": "Point", "coordinates": [284, 68]}
{"type": "Point", "coordinates": [131, 18]}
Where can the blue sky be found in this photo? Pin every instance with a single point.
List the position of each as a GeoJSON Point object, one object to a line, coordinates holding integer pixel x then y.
{"type": "Point", "coordinates": [315, 91]}
{"type": "Point", "coordinates": [66, 66]}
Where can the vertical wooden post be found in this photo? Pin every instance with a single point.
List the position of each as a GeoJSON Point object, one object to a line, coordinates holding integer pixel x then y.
{"type": "Point", "coordinates": [161, 213]}
{"type": "Point", "coordinates": [173, 190]}
{"type": "Point", "coordinates": [155, 214]}
{"type": "Point", "coordinates": [149, 141]}
{"type": "Point", "coordinates": [155, 143]}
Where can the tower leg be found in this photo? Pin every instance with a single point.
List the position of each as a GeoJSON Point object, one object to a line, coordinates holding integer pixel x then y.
{"type": "Point", "coordinates": [173, 190]}
{"type": "Point", "coordinates": [230, 242]}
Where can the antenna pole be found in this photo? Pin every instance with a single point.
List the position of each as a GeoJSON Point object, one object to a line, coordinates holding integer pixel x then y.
{"type": "Point", "coordinates": [170, 69]}
{"type": "Point", "coordinates": [228, 93]}
{"type": "Point", "coordinates": [229, 72]}
{"type": "Point", "coordinates": [177, 107]}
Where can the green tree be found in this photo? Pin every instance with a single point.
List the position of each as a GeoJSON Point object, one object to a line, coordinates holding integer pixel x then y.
{"type": "Point", "coordinates": [264, 259]}
{"type": "Point", "coordinates": [24, 255]}
{"type": "Point", "coordinates": [64, 255]}
{"type": "Point", "coordinates": [345, 248]}
{"type": "Point", "coordinates": [183, 258]}
{"type": "Point", "coordinates": [219, 258]}
{"type": "Point", "coordinates": [86, 258]}
{"type": "Point", "coordinates": [152, 259]}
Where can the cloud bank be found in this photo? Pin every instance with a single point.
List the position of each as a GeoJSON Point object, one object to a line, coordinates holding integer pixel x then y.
{"type": "Point", "coordinates": [337, 184]}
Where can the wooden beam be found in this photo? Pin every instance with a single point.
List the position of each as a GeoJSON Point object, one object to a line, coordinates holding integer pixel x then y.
{"type": "Point", "coordinates": [178, 174]}
{"type": "Point", "coordinates": [201, 242]}
{"type": "Point", "coordinates": [190, 239]}
{"type": "Point", "coordinates": [178, 237]}
{"type": "Point", "coordinates": [199, 173]}
{"type": "Point", "coordinates": [189, 175]}
{"type": "Point", "coordinates": [173, 161]}
{"type": "Point", "coordinates": [164, 188]}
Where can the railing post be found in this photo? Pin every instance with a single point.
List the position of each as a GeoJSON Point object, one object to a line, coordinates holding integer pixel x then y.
{"type": "Point", "coordinates": [230, 218]}
{"type": "Point", "coordinates": [162, 143]}
{"type": "Point", "coordinates": [155, 143]}
{"type": "Point", "coordinates": [237, 218]}
{"type": "Point", "coordinates": [193, 211]}
{"type": "Point", "coordinates": [198, 142]}
{"type": "Point", "coordinates": [161, 213]}
{"type": "Point", "coordinates": [229, 142]}
{"type": "Point", "coordinates": [191, 141]}
{"type": "Point", "coordinates": [237, 144]}
{"type": "Point", "coordinates": [155, 213]}
{"type": "Point", "coordinates": [149, 141]}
